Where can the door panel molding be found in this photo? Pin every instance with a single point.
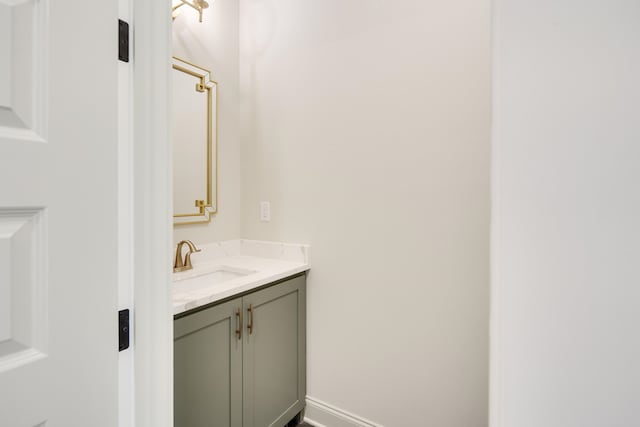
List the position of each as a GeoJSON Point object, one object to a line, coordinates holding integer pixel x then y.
{"type": "Point", "coordinates": [23, 287]}
{"type": "Point", "coordinates": [24, 105]}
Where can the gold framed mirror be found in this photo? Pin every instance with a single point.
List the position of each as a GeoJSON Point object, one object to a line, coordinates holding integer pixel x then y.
{"type": "Point", "coordinates": [195, 143]}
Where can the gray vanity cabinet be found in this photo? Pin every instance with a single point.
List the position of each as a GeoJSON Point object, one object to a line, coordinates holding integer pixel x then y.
{"type": "Point", "coordinates": [208, 368]}
{"type": "Point", "coordinates": [274, 359]}
{"type": "Point", "coordinates": [256, 378]}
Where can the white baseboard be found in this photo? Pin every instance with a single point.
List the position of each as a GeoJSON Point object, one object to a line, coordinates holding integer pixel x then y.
{"type": "Point", "coordinates": [321, 414]}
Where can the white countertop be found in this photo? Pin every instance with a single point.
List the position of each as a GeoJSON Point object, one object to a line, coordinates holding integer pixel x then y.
{"type": "Point", "coordinates": [229, 268]}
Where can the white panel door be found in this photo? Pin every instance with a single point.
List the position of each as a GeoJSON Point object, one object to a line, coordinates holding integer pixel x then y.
{"type": "Point", "coordinates": [58, 213]}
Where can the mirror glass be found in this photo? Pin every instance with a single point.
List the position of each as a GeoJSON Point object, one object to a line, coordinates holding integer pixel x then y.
{"type": "Point", "coordinates": [194, 143]}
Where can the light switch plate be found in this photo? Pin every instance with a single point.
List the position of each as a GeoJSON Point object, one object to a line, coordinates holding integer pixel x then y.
{"type": "Point", "coordinates": [265, 211]}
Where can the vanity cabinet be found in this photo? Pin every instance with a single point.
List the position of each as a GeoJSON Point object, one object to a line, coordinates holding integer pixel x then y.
{"type": "Point", "coordinates": [242, 362]}
{"type": "Point", "coordinates": [208, 368]}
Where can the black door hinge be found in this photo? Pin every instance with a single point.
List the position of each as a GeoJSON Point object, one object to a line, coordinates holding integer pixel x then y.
{"type": "Point", "coordinates": [123, 41]}
{"type": "Point", "coordinates": [123, 329]}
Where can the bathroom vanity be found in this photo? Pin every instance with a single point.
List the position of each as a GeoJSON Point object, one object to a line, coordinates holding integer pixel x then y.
{"type": "Point", "coordinates": [239, 335]}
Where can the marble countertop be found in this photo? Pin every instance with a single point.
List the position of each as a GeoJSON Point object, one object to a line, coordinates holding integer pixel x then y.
{"type": "Point", "coordinates": [224, 269]}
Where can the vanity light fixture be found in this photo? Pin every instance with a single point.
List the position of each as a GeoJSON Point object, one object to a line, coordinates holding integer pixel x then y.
{"type": "Point", "coordinates": [197, 5]}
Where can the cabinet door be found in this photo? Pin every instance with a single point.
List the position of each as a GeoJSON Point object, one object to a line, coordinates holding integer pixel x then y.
{"type": "Point", "coordinates": [274, 357]}
{"type": "Point", "coordinates": [208, 368]}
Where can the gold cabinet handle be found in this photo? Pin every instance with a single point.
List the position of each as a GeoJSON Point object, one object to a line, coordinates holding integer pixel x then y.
{"type": "Point", "coordinates": [239, 323]}
{"type": "Point", "coordinates": [250, 325]}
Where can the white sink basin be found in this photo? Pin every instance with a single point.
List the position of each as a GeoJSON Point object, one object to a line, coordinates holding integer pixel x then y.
{"type": "Point", "coordinates": [196, 279]}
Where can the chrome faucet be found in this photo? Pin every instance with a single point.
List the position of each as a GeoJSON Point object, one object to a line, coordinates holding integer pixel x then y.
{"type": "Point", "coordinates": [179, 264]}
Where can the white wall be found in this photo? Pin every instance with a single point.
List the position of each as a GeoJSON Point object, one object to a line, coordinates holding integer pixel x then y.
{"type": "Point", "coordinates": [368, 130]}
{"type": "Point", "coordinates": [213, 44]}
{"type": "Point", "coordinates": [566, 213]}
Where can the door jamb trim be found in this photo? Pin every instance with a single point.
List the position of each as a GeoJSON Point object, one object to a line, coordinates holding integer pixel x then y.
{"type": "Point", "coordinates": [152, 215]}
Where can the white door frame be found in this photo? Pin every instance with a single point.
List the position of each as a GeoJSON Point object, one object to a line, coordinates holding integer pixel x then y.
{"type": "Point", "coordinates": [153, 356]}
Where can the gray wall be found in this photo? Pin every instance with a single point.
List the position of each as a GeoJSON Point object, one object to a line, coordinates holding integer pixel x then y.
{"type": "Point", "coordinates": [566, 248]}
{"type": "Point", "coordinates": [366, 124]}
